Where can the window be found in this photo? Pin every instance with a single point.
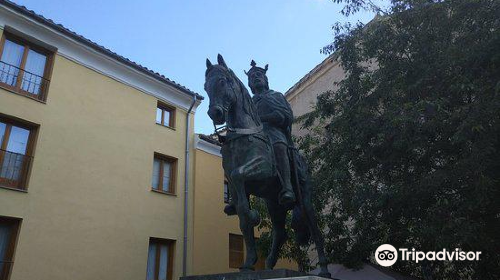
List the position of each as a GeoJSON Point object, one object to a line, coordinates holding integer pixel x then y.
{"type": "Point", "coordinates": [236, 250]}
{"type": "Point", "coordinates": [227, 195]}
{"type": "Point", "coordinates": [164, 174]}
{"type": "Point", "coordinates": [16, 149]}
{"type": "Point", "coordinates": [9, 229]}
{"type": "Point", "coordinates": [160, 259]}
{"type": "Point", "coordinates": [165, 115]}
{"type": "Point", "coordinates": [24, 67]}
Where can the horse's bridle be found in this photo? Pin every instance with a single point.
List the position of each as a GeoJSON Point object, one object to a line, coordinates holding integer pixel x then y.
{"type": "Point", "coordinates": [241, 131]}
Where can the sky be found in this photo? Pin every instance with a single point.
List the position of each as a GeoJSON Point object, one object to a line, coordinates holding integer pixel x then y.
{"type": "Point", "coordinates": [174, 37]}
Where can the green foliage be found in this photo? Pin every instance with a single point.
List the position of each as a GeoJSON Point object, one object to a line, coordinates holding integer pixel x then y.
{"type": "Point", "coordinates": [408, 148]}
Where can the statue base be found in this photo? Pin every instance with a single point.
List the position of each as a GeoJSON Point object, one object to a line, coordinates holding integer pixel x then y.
{"type": "Point", "coordinates": [255, 275]}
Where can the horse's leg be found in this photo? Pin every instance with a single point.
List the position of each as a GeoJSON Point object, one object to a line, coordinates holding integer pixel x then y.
{"type": "Point", "coordinates": [248, 219]}
{"type": "Point", "coordinates": [278, 219]}
{"type": "Point", "coordinates": [254, 169]}
{"type": "Point", "coordinates": [251, 251]}
{"type": "Point", "coordinates": [246, 226]}
{"type": "Point", "coordinates": [230, 208]}
{"type": "Point", "coordinates": [316, 235]}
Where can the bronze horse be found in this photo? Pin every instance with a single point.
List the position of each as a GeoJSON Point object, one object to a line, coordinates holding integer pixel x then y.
{"type": "Point", "coordinates": [249, 165]}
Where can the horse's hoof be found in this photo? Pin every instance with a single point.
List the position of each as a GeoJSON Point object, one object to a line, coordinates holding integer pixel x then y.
{"type": "Point", "coordinates": [230, 210]}
{"type": "Point", "coordinates": [246, 269]}
{"type": "Point", "coordinates": [270, 263]}
{"type": "Point", "coordinates": [254, 218]}
{"type": "Point", "coordinates": [325, 275]}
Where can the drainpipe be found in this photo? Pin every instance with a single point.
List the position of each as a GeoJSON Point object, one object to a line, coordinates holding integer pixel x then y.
{"type": "Point", "coordinates": [186, 191]}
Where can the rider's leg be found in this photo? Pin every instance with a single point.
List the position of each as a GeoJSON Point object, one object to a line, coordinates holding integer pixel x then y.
{"type": "Point", "coordinates": [286, 195]}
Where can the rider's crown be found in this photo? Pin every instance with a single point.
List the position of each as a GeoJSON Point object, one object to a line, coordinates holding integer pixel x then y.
{"type": "Point", "coordinates": [255, 68]}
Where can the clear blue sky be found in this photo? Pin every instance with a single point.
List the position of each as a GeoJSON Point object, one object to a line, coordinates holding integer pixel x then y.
{"type": "Point", "coordinates": [174, 37]}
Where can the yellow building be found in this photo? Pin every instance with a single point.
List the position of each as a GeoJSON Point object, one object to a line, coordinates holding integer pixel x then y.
{"type": "Point", "coordinates": [92, 165]}
{"type": "Point", "coordinates": [217, 241]}
{"type": "Point", "coordinates": [92, 156]}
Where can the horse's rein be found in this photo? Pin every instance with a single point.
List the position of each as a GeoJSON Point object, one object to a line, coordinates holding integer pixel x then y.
{"type": "Point", "coordinates": [216, 129]}
{"type": "Point", "coordinates": [242, 131]}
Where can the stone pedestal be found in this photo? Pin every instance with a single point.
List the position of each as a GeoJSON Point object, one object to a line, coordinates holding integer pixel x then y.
{"type": "Point", "coordinates": [256, 275]}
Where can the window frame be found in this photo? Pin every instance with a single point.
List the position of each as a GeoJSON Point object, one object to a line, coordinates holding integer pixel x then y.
{"type": "Point", "coordinates": [173, 174]}
{"type": "Point", "coordinates": [22, 183]}
{"type": "Point", "coordinates": [11, 249]}
{"type": "Point", "coordinates": [171, 120]}
{"type": "Point", "coordinates": [47, 72]}
{"type": "Point", "coordinates": [170, 261]}
{"type": "Point", "coordinates": [227, 193]}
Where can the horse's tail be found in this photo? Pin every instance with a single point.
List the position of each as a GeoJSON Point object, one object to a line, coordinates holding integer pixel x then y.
{"type": "Point", "coordinates": [300, 220]}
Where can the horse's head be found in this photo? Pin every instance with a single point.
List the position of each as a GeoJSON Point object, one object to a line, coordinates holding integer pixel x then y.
{"type": "Point", "coordinates": [220, 86]}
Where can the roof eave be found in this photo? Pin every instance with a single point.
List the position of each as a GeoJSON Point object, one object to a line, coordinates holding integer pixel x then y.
{"type": "Point", "coordinates": [49, 23]}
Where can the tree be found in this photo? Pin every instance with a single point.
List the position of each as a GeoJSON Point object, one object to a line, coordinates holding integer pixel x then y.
{"type": "Point", "coordinates": [407, 151]}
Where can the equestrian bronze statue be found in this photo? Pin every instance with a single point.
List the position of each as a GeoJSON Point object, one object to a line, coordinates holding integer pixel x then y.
{"type": "Point", "coordinates": [259, 159]}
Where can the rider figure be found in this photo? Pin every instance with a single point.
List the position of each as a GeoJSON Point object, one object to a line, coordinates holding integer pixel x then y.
{"type": "Point", "coordinates": [276, 116]}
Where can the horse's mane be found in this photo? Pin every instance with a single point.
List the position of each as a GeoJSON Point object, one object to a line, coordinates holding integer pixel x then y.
{"type": "Point", "coordinates": [246, 99]}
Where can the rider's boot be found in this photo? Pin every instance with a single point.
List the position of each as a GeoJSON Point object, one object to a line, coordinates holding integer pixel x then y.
{"type": "Point", "coordinates": [230, 209]}
{"type": "Point", "coordinates": [286, 196]}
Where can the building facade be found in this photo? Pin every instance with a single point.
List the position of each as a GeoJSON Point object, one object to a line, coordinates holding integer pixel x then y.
{"type": "Point", "coordinates": [92, 156]}
{"type": "Point", "coordinates": [303, 95]}
{"type": "Point", "coordinates": [93, 165]}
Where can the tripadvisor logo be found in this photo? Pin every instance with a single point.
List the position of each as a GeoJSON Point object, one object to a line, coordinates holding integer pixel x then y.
{"type": "Point", "coordinates": [387, 255]}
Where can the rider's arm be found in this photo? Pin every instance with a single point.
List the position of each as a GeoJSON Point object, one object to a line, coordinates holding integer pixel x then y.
{"type": "Point", "coordinates": [275, 118]}
{"type": "Point", "coordinates": [280, 117]}
{"type": "Point", "coordinates": [285, 111]}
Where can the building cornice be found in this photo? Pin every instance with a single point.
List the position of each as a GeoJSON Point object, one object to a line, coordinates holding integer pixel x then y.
{"type": "Point", "coordinates": [318, 71]}
{"type": "Point", "coordinates": [90, 55]}
{"type": "Point", "coordinates": [206, 146]}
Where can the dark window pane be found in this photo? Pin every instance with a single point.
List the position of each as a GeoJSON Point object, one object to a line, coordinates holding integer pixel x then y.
{"type": "Point", "coordinates": [2, 132]}
{"type": "Point", "coordinates": [5, 232]}
{"type": "Point", "coordinates": [8, 232]}
{"type": "Point", "coordinates": [227, 196]}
